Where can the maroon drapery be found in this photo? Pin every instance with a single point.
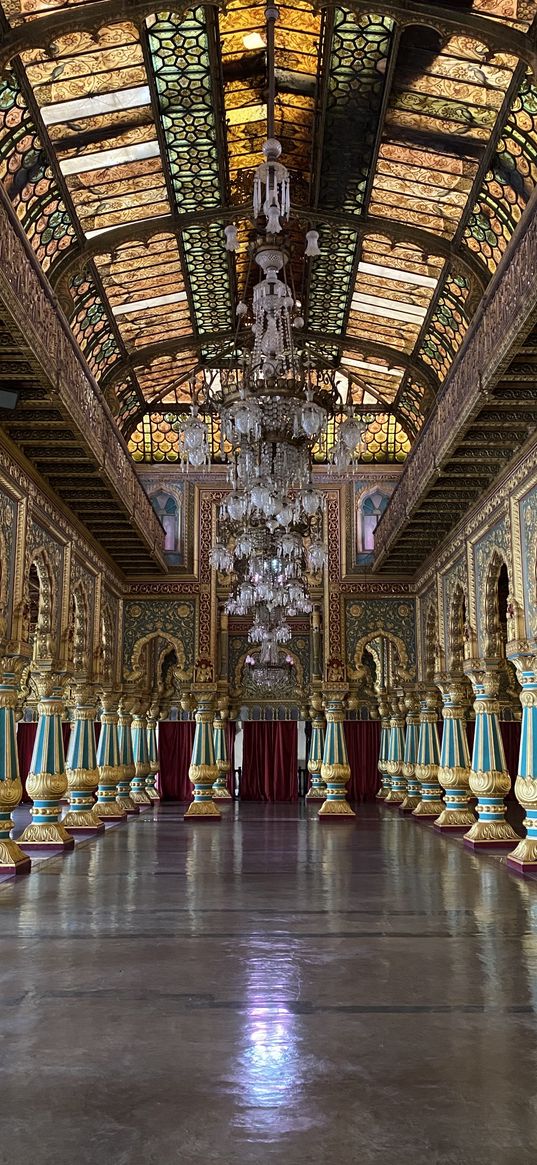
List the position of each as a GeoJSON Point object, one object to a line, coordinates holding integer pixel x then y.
{"type": "Point", "coordinates": [176, 738]}
{"type": "Point", "coordinates": [231, 732]}
{"type": "Point", "coordinates": [363, 743]}
{"type": "Point", "coordinates": [270, 761]}
{"type": "Point", "coordinates": [25, 747]}
{"type": "Point", "coordinates": [510, 730]}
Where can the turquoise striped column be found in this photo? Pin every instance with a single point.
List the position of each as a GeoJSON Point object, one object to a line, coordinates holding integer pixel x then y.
{"type": "Point", "coordinates": [428, 758]}
{"type": "Point", "coordinates": [413, 788]}
{"type": "Point", "coordinates": [385, 734]}
{"type": "Point", "coordinates": [396, 753]}
{"type": "Point", "coordinates": [317, 789]}
{"type": "Point", "coordinates": [335, 770]}
{"type": "Point", "coordinates": [524, 857]}
{"type": "Point", "coordinates": [46, 782]}
{"type": "Point", "coordinates": [141, 758]}
{"type": "Point", "coordinates": [454, 770]}
{"type": "Point", "coordinates": [203, 770]}
{"type": "Point", "coordinates": [127, 771]}
{"type": "Point", "coordinates": [489, 779]}
{"type": "Point", "coordinates": [152, 754]}
{"type": "Point", "coordinates": [12, 858]}
{"type": "Point", "coordinates": [81, 766]}
{"type": "Point", "coordinates": [107, 806]}
{"type": "Point", "coordinates": [220, 789]}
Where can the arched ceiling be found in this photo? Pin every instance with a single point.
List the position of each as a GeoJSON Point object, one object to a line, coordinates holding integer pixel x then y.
{"type": "Point", "coordinates": [129, 136]}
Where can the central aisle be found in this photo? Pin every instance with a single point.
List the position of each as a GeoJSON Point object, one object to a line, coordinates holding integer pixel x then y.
{"type": "Point", "coordinates": [269, 989]}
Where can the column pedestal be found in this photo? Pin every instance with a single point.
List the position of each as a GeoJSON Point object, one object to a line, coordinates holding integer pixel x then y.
{"type": "Point", "coordinates": [220, 790]}
{"type": "Point", "coordinates": [81, 767]}
{"type": "Point", "coordinates": [454, 769]}
{"type": "Point", "coordinates": [12, 858]}
{"type": "Point", "coordinates": [107, 807]}
{"type": "Point", "coordinates": [335, 769]}
{"type": "Point", "coordinates": [396, 752]}
{"type": "Point", "coordinates": [413, 790]}
{"type": "Point", "coordinates": [141, 759]}
{"type": "Point", "coordinates": [46, 782]}
{"type": "Point", "coordinates": [523, 859]}
{"type": "Point", "coordinates": [202, 772]}
{"type": "Point", "coordinates": [385, 734]}
{"type": "Point", "coordinates": [431, 803]}
{"type": "Point", "coordinates": [127, 771]}
{"type": "Point", "coordinates": [489, 779]}
{"type": "Point", "coordinates": [317, 789]}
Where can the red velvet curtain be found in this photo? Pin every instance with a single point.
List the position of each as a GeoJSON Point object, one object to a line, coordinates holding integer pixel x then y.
{"type": "Point", "coordinates": [363, 743]}
{"type": "Point", "coordinates": [510, 730]}
{"type": "Point", "coordinates": [176, 738]}
{"type": "Point", "coordinates": [270, 761]}
{"type": "Point", "coordinates": [231, 732]}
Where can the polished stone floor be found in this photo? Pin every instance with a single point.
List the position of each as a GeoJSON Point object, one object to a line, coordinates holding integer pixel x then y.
{"type": "Point", "coordinates": [269, 989]}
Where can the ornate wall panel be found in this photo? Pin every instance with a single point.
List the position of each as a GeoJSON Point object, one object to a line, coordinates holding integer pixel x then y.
{"type": "Point", "coordinates": [8, 520]}
{"type": "Point", "coordinates": [159, 617]}
{"type": "Point", "coordinates": [369, 616]}
{"type": "Point", "coordinates": [496, 541]}
{"type": "Point", "coordinates": [528, 538]}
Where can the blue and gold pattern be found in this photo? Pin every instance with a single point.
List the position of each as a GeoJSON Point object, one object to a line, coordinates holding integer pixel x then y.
{"type": "Point", "coordinates": [428, 759]}
{"type": "Point", "coordinates": [12, 858]}
{"type": "Point", "coordinates": [127, 771]}
{"type": "Point", "coordinates": [140, 755]}
{"type": "Point", "coordinates": [81, 766]}
{"type": "Point", "coordinates": [454, 769]}
{"type": "Point", "coordinates": [335, 769]}
{"type": "Point", "coordinates": [202, 772]}
{"type": "Point", "coordinates": [524, 657]}
{"type": "Point", "coordinates": [413, 788]}
{"type": "Point", "coordinates": [107, 806]}
{"type": "Point", "coordinates": [46, 782]}
{"type": "Point", "coordinates": [489, 778]}
{"type": "Point", "coordinates": [220, 789]}
{"type": "Point", "coordinates": [385, 735]}
{"type": "Point", "coordinates": [396, 753]}
{"type": "Point", "coordinates": [317, 789]}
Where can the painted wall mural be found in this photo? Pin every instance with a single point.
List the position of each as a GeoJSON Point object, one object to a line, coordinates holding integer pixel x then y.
{"type": "Point", "coordinates": [394, 617]}
{"type": "Point", "coordinates": [173, 619]}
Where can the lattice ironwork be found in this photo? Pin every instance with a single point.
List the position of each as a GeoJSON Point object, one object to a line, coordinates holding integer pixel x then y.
{"type": "Point", "coordinates": [448, 325]}
{"type": "Point", "coordinates": [91, 326]}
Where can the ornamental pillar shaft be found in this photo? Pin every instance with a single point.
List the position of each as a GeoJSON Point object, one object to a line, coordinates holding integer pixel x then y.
{"type": "Point", "coordinates": [430, 804]}
{"type": "Point", "coordinates": [107, 806]}
{"type": "Point", "coordinates": [396, 752]}
{"type": "Point", "coordinates": [152, 754]}
{"type": "Point", "coordinates": [220, 789]}
{"type": "Point", "coordinates": [317, 789]}
{"type": "Point", "coordinates": [489, 779]}
{"type": "Point", "coordinates": [524, 856]}
{"type": "Point", "coordinates": [127, 771]}
{"type": "Point", "coordinates": [413, 789]}
{"type": "Point", "coordinates": [140, 755]}
{"type": "Point", "coordinates": [335, 769]}
{"type": "Point", "coordinates": [385, 733]}
{"type": "Point", "coordinates": [202, 772]}
{"type": "Point", "coordinates": [81, 766]}
{"type": "Point", "coordinates": [454, 768]}
{"type": "Point", "coordinates": [12, 858]}
{"type": "Point", "coordinates": [47, 782]}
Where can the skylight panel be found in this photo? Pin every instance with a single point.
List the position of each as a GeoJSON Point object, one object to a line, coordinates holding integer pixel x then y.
{"type": "Point", "coordinates": [376, 305]}
{"type": "Point", "coordinates": [98, 104]}
{"type": "Point", "coordinates": [397, 274]}
{"type": "Point", "coordinates": [141, 304]}
{"type": "Point", "coordinates": [366, 366]}
{"type": "Point", "coordinates": [103, 159]}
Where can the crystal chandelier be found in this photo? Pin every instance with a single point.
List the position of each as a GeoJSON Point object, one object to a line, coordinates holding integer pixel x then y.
{"type": "Point", "coordinates": [275, 402]}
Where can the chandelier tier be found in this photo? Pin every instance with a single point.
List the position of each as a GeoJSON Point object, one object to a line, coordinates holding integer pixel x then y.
{"type": "Point", "coordinates": [274, 402]}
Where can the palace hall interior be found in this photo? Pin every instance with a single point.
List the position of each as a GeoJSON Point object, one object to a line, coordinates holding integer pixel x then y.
{"type": "Point", "coordinates": [268, 582]}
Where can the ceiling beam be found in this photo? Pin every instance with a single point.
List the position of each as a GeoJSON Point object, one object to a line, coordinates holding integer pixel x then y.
{"type": "Point", "coordinates": [45, 30]}
{"type": "Point", "coordinates": [77, 257]}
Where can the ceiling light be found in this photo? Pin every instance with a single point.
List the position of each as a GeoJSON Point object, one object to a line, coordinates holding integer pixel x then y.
{"type": "Point", "coordinates": [254, 40]}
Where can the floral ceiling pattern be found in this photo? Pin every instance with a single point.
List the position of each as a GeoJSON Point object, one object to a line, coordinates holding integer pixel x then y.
{"type": "Point", "coordinates": [127, 144]}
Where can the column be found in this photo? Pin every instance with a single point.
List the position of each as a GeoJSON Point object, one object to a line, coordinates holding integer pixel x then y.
{"type": "Point", "coordinates": [107, 806]}
{"type": "Point", "coordinates": [203, 770]}
{"type": "Point", "coordinates": [335, 770]}
{"type": "Point", "coordinates": [81, 765]}
{"type": "Point", "coordinates": [428, 758]}
{"type": "Point", "coordinates": [385, 733]}
{"type": "Point", "coordinates": [413, 788]}
{"type": "Point", "coordinates": [524, 857]}
{"type": "Point", "coordinates": [317, 789]}
{"type": "Point", "coordinates": [220, 789]}
{"type": "Point", "coordinates": [152, 753]}
{"type": "Point", "coordinates": [396, 753]}
{"type": "Point", "coordinates": [141, 759]}
{"type": "Point", "coordinates": [454, 769]}
{"type": "Point", "coordinates": [12, 858]}
{"type": "Point", "coordinates": [47, 782]}
{"type": "Point", "coordinates": [489, 779]}
{"type": "Point", "coordinates": [126, 771]}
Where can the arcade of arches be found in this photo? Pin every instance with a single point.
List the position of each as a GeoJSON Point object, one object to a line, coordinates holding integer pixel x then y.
{"type": "Point", "coordinates": [318, 866]}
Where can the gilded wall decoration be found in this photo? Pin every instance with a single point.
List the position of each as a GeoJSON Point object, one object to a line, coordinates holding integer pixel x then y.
{"type": "Point", "coordinates": [41, 547]}
{"type": "Point", "coordinates": [240, 677]}
{"type": "Point", "coordinates": [495, 543]}
{"type": "Point", "coordinates": [528, 538]}
{"type": "Point", "coordinates": [8, 517]}
{"type": "Point", "coordinates": [160, 617]}
{"type": "Point", "coordinates": [373, 617]}
{"type": "Point", "coordinates": [454, 584]}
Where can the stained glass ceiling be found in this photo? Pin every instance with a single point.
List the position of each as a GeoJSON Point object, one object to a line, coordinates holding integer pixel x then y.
{"type": "Point", "coordinates": [129, 136]}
